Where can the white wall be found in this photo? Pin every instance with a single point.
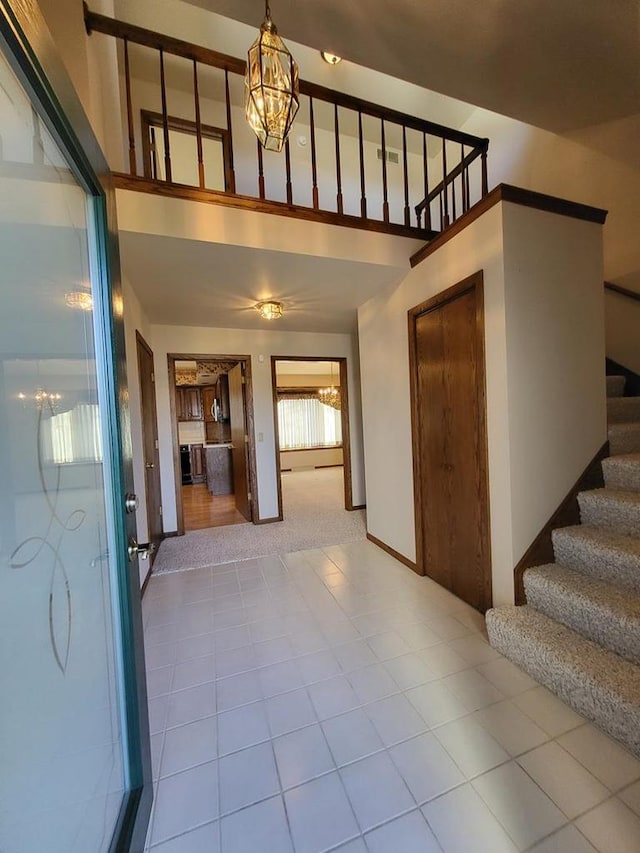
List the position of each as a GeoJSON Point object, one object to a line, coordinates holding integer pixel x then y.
{"type": "Point", "coordinates": [544, 370]}
{"type": "Point", "coordinates": [212, 341]}
{"type": "Point", "coordinates": [135, 320]}
{"type": "Point", "coordinates": [623, 330]}
{"type": "Point", "coordinates": [317, 458]}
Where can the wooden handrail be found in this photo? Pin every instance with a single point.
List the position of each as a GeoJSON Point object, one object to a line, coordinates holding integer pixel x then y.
{"type": "Point", "coordinates": [622, 291]}
{"type": "Point", "coordinates": [451, 176]}
{"type": "Point", "coordinates": [95, 22]}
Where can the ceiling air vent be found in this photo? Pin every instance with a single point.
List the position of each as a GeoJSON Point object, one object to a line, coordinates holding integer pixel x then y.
{"type": "Point", "coordinates": [390, 156]}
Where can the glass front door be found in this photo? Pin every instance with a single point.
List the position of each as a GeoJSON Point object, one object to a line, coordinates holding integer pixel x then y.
{"type": "Point", "coordinates": [70, 752]}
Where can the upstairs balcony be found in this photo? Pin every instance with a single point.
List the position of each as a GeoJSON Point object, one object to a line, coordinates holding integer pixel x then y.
{"type": "Point", "coordinates": [347, 161]}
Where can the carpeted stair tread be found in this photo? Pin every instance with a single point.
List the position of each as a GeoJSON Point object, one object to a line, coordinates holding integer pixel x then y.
{"type": "Point", "coordinates": [622, 472]}
{"type": "Point", "coordinates": [599, 552]}
{"type": "Point", "coordinates": [601, 612]}
{"type": "Point", "coordinates": [623, 410]}
{"type": "Point", "coordinates": [596, 682]}
{"type": "Point", "coordinates": [624, 438]}
{"type": "Point", "coordinates": [615, 386]}
{"type": "Point", "coordinates": [612, 508]}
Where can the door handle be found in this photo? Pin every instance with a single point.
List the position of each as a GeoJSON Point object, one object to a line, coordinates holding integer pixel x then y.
{"type": "Point", "coordinates": [143, 551]}
{"type": "Point", "coordinates": [149, 465]}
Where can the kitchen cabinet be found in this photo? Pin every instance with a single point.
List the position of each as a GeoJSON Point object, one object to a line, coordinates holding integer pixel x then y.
{"type": "Point", "coordinates": [208, 402]}
{"type": "Point", "coordinates": [198, 464]}
{"type": "Point", "coordinates": [188, 404]}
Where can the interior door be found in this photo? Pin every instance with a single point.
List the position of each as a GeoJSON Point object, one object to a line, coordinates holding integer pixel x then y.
{"type": "Point", "coordinates": [150, 442]}
{"type": "Point", "coordinates": [74, 745]}
{"type": "Point", "coordinates": [450, 443]}
{"type": "Point", "coordinates": [238, 418]}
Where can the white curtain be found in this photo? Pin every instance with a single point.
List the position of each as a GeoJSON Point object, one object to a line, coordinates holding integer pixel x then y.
{"type": "Point", "coordinates": [73, 436]}
{"type": "Point", "coordinates": [308, 423]}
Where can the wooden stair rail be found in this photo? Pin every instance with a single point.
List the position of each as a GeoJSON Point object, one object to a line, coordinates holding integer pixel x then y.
{"type": "Point", "coordinates": [395, 210]}
{"type": "Point", "coordinates": [622, 291]}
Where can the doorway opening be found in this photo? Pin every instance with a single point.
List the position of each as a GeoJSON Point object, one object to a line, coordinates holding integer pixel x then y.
{"type": "Point", "coordinates": [214, 454]}
{"type": "Point", "coordinates": [311, 427]}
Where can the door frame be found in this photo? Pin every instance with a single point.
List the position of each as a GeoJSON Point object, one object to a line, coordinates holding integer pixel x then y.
{"type": "Point", "coordinates": [245, 360]}
{"type": "Point", "coordinates": [142, 344]}
{"type": "Point", "coordinates": [341, 360]}
{"type": "Point", "coordinates": [474, 284]}
{"type": "Point", "coordinates": [27, 45]}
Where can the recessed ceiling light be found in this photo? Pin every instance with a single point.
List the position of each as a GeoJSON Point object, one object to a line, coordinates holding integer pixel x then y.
{"type": "Point", "coordinates": [269, 309]}
{"type": "Point", "coordinates": [330, 58]}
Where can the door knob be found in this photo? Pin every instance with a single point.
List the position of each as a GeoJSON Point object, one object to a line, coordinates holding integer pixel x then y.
{"type": "Point", "coordinates": [143, 551]}
{"type": "Point", "coordinates": [149, 465]}
{"type": "Point", "coordinates": [131, 502]}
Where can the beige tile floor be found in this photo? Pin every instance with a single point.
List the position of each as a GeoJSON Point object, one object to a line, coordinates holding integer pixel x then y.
{"type": "Point", "coordinates": [333, 700]}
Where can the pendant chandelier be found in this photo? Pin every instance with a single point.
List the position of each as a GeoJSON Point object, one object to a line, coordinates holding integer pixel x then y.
{"type": "Point", "coordinates": [331, 396]}
{"type": "Point", "coordinates": [271, 91]}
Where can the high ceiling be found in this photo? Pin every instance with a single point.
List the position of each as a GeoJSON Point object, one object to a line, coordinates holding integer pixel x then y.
{"type": "Point", "coordinates": [558, 65]}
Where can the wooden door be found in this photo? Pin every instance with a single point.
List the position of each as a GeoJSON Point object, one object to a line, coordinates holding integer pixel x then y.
{"type": "Point", "coordinates": [238, 418]}
{"type": "Point", "coordinates": [150, 442]}
{"type": "Point", "coordinates": [450, 450]}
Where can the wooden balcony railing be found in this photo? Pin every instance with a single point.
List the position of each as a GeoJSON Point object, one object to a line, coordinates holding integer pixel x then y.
{"type": "Point", "coordinates": [347, 161]}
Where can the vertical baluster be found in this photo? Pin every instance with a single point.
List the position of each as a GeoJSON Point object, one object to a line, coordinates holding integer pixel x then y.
{"type": "Point", "coordinates": [468, 187]}
{"type": "Point", "coordinates": [425, 160]}
{"type": "Point", "coordinates": [453, 200]}
{"type": "Point", "coordinates": [232, 173]}
{"type": "Point", "coordinates": [287, 160]}
{"type": "Point", "coordinates": [385, 197]}
{"type": "Point", "coordinates": [485, 179]}
{"type": "Point", "coordinates": [314, 167]}
{"type": "Point", "coordinates": [442, 225]}
{"type": "Point", "coordinates": [336, 130]}
{"type": "Point", "coordinates": [444, 184]}
{"type": "Point", "coordinates": [154, 153]}
{"type": "Point", "coordinates": [165, 121]}
{"type": "Point", "coordinates": [260, 170]}
{"type": "Point", "coordinates": [407, 212]}
{"type": "Point", "coordinates": [463, 192]}
{"type": "Point", "coordinates": [363, 194]}
{"type": "Point", "coordinates": [127, 83]}
{"type": "Point", "coordinates": [196, 98]}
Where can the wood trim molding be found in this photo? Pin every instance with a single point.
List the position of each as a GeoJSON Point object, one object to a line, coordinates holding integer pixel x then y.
{"type": "Point", "coordinates": [359, 506]}
{"type": "Point", "coordinates": [271, 520]}
{"type": "Point", "coordinates": [392, 551]}
{"type": "Point", "coordinates": [515, 195]}
{"type": "Point", "coordinates": [277, 208]}
{"type": "Point", "coordinates": [344, 417]}
{"type": "Point", "coordinates": [540, 552]}
{"type": "Point", "coordinates": [622, 291]}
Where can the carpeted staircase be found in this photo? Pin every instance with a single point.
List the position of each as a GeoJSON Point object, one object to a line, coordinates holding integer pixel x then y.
{"type": "Point", "coordinates": [579, 633]}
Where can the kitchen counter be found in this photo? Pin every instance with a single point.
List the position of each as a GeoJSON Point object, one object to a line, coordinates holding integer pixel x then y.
{"type": "Point", "coordinates": [219, 469]}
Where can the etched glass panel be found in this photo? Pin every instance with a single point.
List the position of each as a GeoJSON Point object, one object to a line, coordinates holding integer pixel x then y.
{"type": "Point", "coordinates": [62, 772]}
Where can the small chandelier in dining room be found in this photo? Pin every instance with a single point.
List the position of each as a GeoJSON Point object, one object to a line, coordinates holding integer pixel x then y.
{"type": "Point", "coordinates": [271, 89]}
{"type": "Point", "coordinates": [331, 396]}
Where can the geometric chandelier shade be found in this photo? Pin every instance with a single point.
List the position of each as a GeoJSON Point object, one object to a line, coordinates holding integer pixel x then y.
{"type": "Point", "coordinates": [271, 87]}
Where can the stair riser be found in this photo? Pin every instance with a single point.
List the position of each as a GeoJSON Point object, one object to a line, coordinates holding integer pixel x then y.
{"type": "Point", "coordinates": [590, 619]}
{"type": "Point", "coordinates": [623, 410]}
{"type": "Point", "coordinates": [627, 441]}
{"type": "Point", "coordinates": [619, 718]}
{"type": "Point", "coordinates": [619, 475]}
{"type": "Point", "coordinates": [606, 565]}
{"type": "Point", "coordinates": [603, 513]}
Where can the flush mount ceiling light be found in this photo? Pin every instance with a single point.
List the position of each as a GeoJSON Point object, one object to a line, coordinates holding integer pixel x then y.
{"type": "Point", "coordinates": [81, 300]}
{"type": "Point", "coordinates": [269, 310]}
{"type": "Point", "coordinates": [271, 90]}
{"type": "Point", "coordinates": [330, 58]}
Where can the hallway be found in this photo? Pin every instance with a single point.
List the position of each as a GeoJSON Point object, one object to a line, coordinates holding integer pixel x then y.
{"type": "Point", "coordinates": [333, 700]}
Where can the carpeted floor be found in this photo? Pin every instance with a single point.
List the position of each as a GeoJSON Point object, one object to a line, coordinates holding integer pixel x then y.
{"type": "Point", "coordinates": [314, 516]}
